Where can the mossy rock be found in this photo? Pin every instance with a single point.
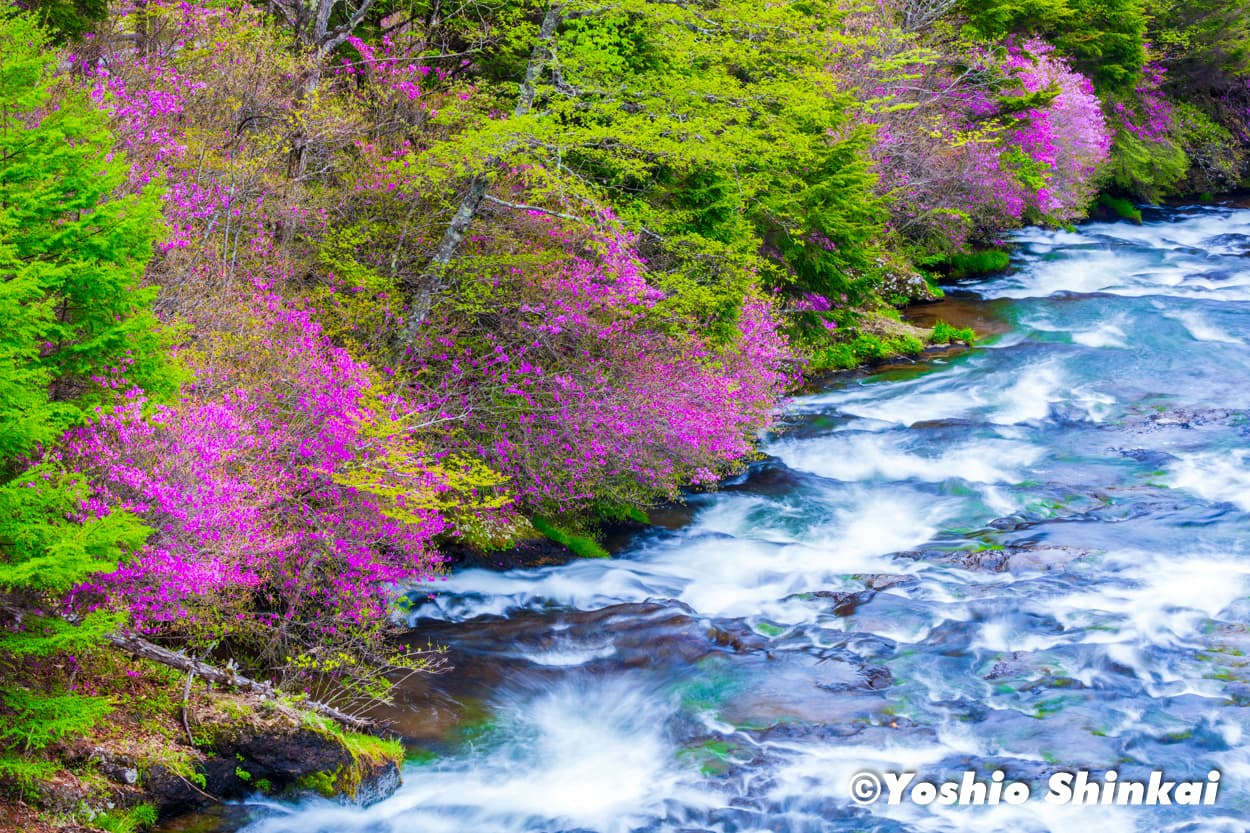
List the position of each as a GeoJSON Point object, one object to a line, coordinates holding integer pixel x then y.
{"type": "Point", "coordinates": [252, 741]}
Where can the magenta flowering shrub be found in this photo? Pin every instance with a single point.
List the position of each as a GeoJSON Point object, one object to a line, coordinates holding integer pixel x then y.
{"type": "Point", "coordinates": [308, 469]}
{"type": "Point", "coordinates": [958, 162]}
{"type": "Point", "coordinates": [570, 387]}
{"type": "Point", "coordinates": [148, 94]}
{"type": "Point", "coordinates": [1147, 115]}
{"type": "Point", "coordinates": [1067, 141]}
{"type": "Point", "coordinates": [258, 535]}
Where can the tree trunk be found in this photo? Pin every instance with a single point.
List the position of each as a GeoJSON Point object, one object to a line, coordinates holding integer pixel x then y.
{"type": "Point", "coordinates": [433, 279]}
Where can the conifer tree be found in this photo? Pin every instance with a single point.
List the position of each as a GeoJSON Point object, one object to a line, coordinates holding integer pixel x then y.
{"type": "Point", "coordinates": [77, 330]}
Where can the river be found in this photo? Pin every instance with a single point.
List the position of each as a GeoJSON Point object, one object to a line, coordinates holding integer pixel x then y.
{"type": "Point", "coordinates": [1032, 557]}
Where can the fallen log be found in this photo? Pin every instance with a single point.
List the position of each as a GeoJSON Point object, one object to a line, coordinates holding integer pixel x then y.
{"type": "Point", "coordinates": [144, 649]}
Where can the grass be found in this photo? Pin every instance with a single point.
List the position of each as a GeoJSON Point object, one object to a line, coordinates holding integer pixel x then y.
{"type": "Point", "coordinates": [977, 262]}
{"type": "Point", "coordinates": [620, 512]}
{"type": "Point", "coordinates": [1122, 208]}
{"type": "Point", "coordinates": [371, 748]}
{"type": "Point", "coordinates": [581, 545]}
{"type": "Point", "coordinates": [367, 751]}
{"type": "Point", "coordinates": [944, 333]}
{"type": "Point", "coordinates": [866, 347]}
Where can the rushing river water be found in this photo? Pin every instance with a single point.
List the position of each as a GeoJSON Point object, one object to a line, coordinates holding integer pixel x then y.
{"type": "Point", "coordinates": [1032, 557]}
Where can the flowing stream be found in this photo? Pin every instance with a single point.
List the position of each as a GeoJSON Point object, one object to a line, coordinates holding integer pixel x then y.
{"type": "Point", "coordinates": [1033, 556]}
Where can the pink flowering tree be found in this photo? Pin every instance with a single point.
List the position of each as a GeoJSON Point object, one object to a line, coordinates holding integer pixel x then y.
{"type": "Point", "coordinates": [571, 389]}
{"type": "Point", "coordinates": [287, 496]}
{"type": "Point", "coordinates": [967, 148]}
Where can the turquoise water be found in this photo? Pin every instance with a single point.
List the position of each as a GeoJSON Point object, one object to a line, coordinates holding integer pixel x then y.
{"type": "Point", "coordinates": [1031, 557]}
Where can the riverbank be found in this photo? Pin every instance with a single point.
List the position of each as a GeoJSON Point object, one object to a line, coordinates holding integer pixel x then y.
{"type": "Point", "coordinates": [175, 745]}
{"type": "Point", "coordinates": [360, 298]}
{"type": "Point", "coordinates": [1023, 558]}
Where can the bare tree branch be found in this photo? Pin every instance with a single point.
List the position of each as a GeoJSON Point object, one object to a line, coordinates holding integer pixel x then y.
{"type": "Point", "coordinates": [144, 649]}
{"type": "Point", "coordinates": [432, 280]}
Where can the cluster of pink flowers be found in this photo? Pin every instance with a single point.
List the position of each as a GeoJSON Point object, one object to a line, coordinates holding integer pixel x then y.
{"type": "Point", "coordinates": [953, 172]}
{"type": "Point", "coordinates": [1068, 139]}
{"type": "Point", "coordinates": [1150, 116]}
{"type": "Point", "coordinates": [575, 394]}
{"type": "Point", "coordinates": [239, 483]}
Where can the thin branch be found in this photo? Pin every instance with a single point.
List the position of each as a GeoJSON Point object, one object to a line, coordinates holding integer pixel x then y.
{"type": "Point", "coordinates": [524, 207]}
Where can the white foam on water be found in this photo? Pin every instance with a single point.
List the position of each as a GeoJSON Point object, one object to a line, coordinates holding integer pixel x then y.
{"type": "Point", "coordinates": [855, 457]}
{"type": "Point", "coordinates": [742, 556]}
{"type": "Point", "coordinates": [1030, 397]}
{"type": "Point", "coordinates": [1002, 637]}
{"type": "Point", "coordinates": [1203, 330]}
{"type": "Point", "coordinates": [1218, 476]}
{"type": "Point", "coordinates": [1159, 258]}
{"type": "Point", "coordinates": [1023, 395]}
{"type": "Point", "coordinates": [1158, 601]}
{"type": "Point", "coordinates": [585, 754]}
{"type": "Point", "coordinates": [1081, 271]}
{"type": "Point", "coordinates": [884, 405]}
{"type": "Point", "coordinates": [570, 656]}
{"type": "Point", "coordinates": [1108, 333]}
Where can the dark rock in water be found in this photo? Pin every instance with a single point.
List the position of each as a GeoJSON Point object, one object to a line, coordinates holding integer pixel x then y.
{"type": "Point", "coordinates": [1184, 419]}
{"type": "Point", "coordinates": [1157, 459]}
{"type": "Point", "coordinates": [1014, 665]}
{"type": "Point", "coordinates": [884, 581]}
{"type": "Point", "coordinates": [877, 678]}
{"type": "Point", "coordinates": [844, 603]}
{"type": "Point", "coordinates": [737, 637]}
{"type": "Point", "coordinates": [1014, 523]}
{"type": "Point", "coordinates": [811, 732]}
{"type": "Point", "coordinates": [1024, 557]}
{"type": "Point", "coordinates": [871, 678]}
{"type": "Point", "coordinates": [991, 561]}
{"type": "Point", "coordinates": [651, 630]}
{"type": "Point", "coordinates": [532, 552]}
{"type": "Point", "coordinates": [770, 478]}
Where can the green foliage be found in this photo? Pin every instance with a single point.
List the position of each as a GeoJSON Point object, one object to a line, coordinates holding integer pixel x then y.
{"type": "Point", "coordinates": [371, 748]}
{"type": "Point", "coordinates": [620, 512]}
{"type": "Point", "coordinates": [45, 553]}
{"type": "Point", "coordinates": [38, 720]}
{"type": "Point", "coordinates": [74, 322]}
{"type": "Point", "coordinates": [1123, 208]}
{"type": "Point", "coordinates": [1146, 170]}
{"type": "Point", "coordinates": [71, 254]}
{"type": "Point", "coordinates": [944, 333]}
{"type": "Point", "coordinates": [68, 19]}
{"type": "Point", "coordinates": [25, 774]}
{"type": "Point", "coordinates": [1218, 160]}
{"type": "Point", "coordinates": [1105, 38]}
{"type": "Point", "coordinates": [140, 817]}
{"type": "Point", "coordinates": [861, 349]}
{"type": "Point", "coordinates": [581, 545]}
{"type": "Point", "coordinates": [978, 262]}
{"type": "Point", "coordinates": [716, 129]}
{"type": "Point", "coordinates": [324, 783]}
{"type": "Point", "coordinates": [1207, 41]}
